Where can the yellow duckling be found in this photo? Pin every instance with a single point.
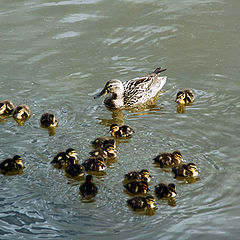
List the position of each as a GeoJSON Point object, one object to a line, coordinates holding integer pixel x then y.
{"type": "Point", "coordinates": [186, 170]}
{"type": "Point", "coordinates": [168, 159]}
{"type": "Point", "coordinates": [22, 112]}
{"type": "Point", "coordinates": [185, 96]}
{"type": "Point", "coordinates": [142, 203]}
{"type": "Point", "coordinates": [48, 120]}
{"type": "Point", "coordinates": [12, 165]}
{"type": "Point", "coordinates": [121, 131]}
{"type": "Point", "coordinates": [88, 189]}
{"type": "Point", "coordinates": [108, 152]}
{"type": "Point", "coordinates": [64, 159]}
{"type": "Point", "coordinates": [163, 190]}
{"type": "Point", "coordinates": [6, 107]}
{"type": "Point", "coordinates": [138, 176]}
{"type": "Point", "coordinates": [94, 164]}
{"type": "Point", "coordinates": [101, 142]}
{"type": "Point", "coordinates": [137, 187]}
{"type": "Point", "coordinates": [74, 170]}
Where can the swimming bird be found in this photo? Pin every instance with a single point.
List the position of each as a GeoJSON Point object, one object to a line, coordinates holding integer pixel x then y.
{"type": "Point", "coordinates": [88, 189]}
{"type": "Point", "coordinates": [121, 131]}
{"type": "Point", "coordinates": [94, 164]}
{"type": "Point", "coordinates": [163, 190]}
{"type": "Point", "coordinates": [108, 152]}
{"type": "Point", "coordinates": [101, 142]}
{"type": "Point", "coordinates": [186, 170]}
{"type": "Point", "coordinates": [64, 159]}
{"type": "Point", "coordinates": [6, 107]}
{"type": "Point", "coordinates": [138, 176]}
{"type": "Point", "coordinates": [22, 112]}
{"type": "Point", "coordinates": [48, 120]}
{"type": "Point", "coordinates": [11, 165]}
{"type": "Point", "coordinates": [137, 187]}
{"type": "Point", "coordinates": [168, 159]}
{"type": "Point", "coordinates": [185, 96]}
{"type": "Point", "coordinates": [142, 203]}
{"type": "Point", "coordinates": [130, 93]}
{"type": "Point", "coordinates": [74, 170]}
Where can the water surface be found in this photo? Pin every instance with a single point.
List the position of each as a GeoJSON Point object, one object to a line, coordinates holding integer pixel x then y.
{"type": "Point", "coordinates": [55, 55]}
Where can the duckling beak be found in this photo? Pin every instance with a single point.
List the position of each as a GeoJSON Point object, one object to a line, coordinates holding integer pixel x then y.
{"type": "Point", "coordinates": [180, 101]}
{"type": "Point", "coordinates": [151, 176]}
{"type": "Point", "coordinates": [102, 93]}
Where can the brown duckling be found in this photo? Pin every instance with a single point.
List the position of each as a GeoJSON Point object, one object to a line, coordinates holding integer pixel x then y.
{"type": "Point", "coordinates": [142, 203]}
{"type": "Point", "coordinates": [185, 96]}
{"type": "Point", "coordinates": [138, 176]}
{"type": "Point", "coordinates": [94, 164]}
{"type": "Point", "coordinates": [88, 189]}
{"type": "Point", "coordinates": [101, 142]}
{"type": "Point", "coordinates": [22, 112]}
{"type": "Point", "coordinates": [108, 152]}
{"type": "Point", "coordinates": [74, 170]}
{"type": "Point", "coordinates": [6, 107]}
{"type": "Point", "coordinates": [48, 120]}
{"type": "Point", "coordinates": [137, 187]}
{"type": "Point", "coordinates": [63, 159]}
{"type": "Point", "coordinates": [163, 190]}
{"type": "Point", "coordinates": [168, 159]}
{"type": "Point", "coordinates": [11, 165]}
{"type": "Point", "coordinates": [121, 131]}
{"type": "Point", "coordinates": [186, 170]}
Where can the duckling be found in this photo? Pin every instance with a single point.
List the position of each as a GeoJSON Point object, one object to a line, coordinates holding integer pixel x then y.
{"type": "Point", "coordinates": [163, 190]}
{"type": "Point", "coordinates": [137, 187]}
{"type": "Point", "coordinates": [142, 203]}
{"type": "Point", "coordinates": [185, 96]}
{"type": "Point", "coordinates": [108, 152]}
{"type": "Point", "coordinates": [22, 112]}
{"type": "Point", "coordinates": [138, 176]}
{"type": "Point", "coordinates": [6, 107]}
{"type": "Point", "coordinates": [48, 120]}
{"type": "Point", "coordinates": [74, 170]}
{"type": "Point", "coordinates": [11, 165]}
{"type": "Point", "coordinates": [64, 159]}
{"type": "Point", "coordinates": [101, 142]}
{"type": "Point", "coordinates": [121, 132]}
{"type": "Point", "coordinates": [88, 189]}
{"type": "Point", "coordinates": [133, 92]}
{"type": "Point", "coordinates": [94, 164]}
{"type": "Point", "coordinates": [186, 170]}
{"type": "Point", "coordinates": [168, 159]}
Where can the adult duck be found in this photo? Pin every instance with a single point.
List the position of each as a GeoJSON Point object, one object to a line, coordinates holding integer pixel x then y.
{"type": "Point", "coordinates": [136, 91]}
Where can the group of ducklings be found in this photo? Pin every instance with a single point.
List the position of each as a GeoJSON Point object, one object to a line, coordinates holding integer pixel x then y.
{"type": "Point", "coordinates": [136, 183]}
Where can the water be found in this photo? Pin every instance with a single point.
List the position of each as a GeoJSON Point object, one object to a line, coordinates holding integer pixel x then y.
{"type": "Point", "coordinates": [55, 55]}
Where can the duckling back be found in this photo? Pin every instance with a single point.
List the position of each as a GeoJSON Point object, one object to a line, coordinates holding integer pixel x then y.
{"type": "Point", "coordinates": [88, 189]}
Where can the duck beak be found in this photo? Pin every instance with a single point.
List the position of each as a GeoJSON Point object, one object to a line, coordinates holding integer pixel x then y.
{"type": "Point", "coordinates": [151, 176]}
{"type": "Point", "coordinates": [180, 101]}
{"type": "Point", "coordinates": [102, 93]}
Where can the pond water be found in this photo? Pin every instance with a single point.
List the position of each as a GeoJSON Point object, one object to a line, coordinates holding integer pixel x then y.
{"type": "Point", "coordinates": [56, 55]}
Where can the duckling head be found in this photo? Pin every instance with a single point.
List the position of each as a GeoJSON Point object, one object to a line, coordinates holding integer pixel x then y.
{"type": "Point", "coordinates": [115, 87]}
{"type": "Point", "coordinates": [110, 149]}
{"type": "Point", "coordinates": [177, 155]}
{"type": "Point", "coordinates": [172, 189]}
{"type": "Point", "coordinates": [89, 178]}
{"type": "Point", "coordinates": [114, 128]}
{"type": "Point", "coordinates": [145, 174]}
{"type": "Point", "coordinates": [181, 97]}
{"type": "Point", "coordinates": [19, 114]}
{"type": "Point", "coordinates": [17, 159]}
{"type": "Point", "coordinates": [192, 167]}
{"type": "Point", "coordinates": [71, 153]}
{"type": "Point", "coordinates": [3, 108]}
{"type": "Point", "coordinates": [150, 200]}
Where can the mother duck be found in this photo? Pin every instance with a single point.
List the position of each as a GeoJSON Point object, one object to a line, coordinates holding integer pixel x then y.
{"type": "Point", "coordinates": [136, 91]}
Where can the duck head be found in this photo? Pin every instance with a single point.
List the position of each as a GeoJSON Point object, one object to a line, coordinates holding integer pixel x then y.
{"type": "Point", "coordinates": [115, 87]}
{"type": "Point", "coordinates": [181, 97]}
{"type": "Point", "coordinates": [192, 167]}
